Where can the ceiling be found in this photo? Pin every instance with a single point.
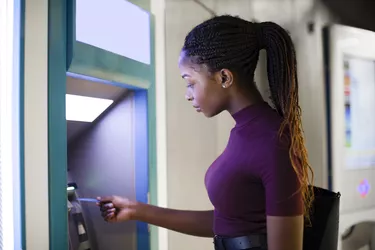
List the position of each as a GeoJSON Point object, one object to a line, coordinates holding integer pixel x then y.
{"type": "Point", "coordinates": [79, 86]}
{"type": "Point", "coordinates": [355, 13]}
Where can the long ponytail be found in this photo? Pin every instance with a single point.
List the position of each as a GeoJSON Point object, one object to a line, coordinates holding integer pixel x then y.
{"type": "Point", "coordinates": [283, 83]}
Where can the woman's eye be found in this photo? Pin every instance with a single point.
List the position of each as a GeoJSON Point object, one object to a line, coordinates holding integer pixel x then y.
{"type": "Point", "coordinates": [189, 85]}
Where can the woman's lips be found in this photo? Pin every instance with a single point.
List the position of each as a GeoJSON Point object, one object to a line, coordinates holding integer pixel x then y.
{"type": "Point", "coordinates": [198, 109]}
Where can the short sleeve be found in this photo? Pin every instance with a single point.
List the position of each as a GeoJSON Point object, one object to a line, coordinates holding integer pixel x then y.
{"type": "Point", "coordinates": [281, 183]}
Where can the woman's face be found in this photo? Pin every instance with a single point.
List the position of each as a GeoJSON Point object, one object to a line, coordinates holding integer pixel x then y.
{"type": "Point", "coordinates": [203, 88]}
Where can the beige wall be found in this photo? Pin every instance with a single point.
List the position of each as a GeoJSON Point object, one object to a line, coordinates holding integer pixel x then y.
{"type": "Point", "coordinates": [36, 125]}
{"type": "Point", "coordinates": [191, 138]}
{"type": "Point", "coordinates": [192, 141]}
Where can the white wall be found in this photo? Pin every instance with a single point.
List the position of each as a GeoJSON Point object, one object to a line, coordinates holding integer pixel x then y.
{"type": "Point", "coordinates": [193, 141]}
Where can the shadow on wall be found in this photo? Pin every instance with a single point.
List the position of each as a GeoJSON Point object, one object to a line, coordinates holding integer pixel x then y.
{"type": "Point", "coordinates": [101, 162]}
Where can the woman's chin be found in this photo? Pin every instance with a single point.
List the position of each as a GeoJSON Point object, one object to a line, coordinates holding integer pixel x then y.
{"type": "Point", "coordinates": [207, 114]}
{"type": "Point", "coordinates": [211, 113]}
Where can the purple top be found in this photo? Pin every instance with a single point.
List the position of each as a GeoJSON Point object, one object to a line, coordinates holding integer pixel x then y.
{"type": "Point", "coordinates": [253, 177]}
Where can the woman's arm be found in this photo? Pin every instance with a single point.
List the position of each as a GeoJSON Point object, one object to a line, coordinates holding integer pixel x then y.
{"type": "Point", "coordinates": [284, 202]}
{"type": "Point", "coordinates": [196, 223]}
{"type": "Point", "coordinates": [285, 233]}
{"type": "Point", "coordinates": [118, 209]}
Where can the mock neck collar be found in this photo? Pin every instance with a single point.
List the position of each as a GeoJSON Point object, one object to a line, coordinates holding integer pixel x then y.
{"type": "Point", "coordinates": [248, 113]}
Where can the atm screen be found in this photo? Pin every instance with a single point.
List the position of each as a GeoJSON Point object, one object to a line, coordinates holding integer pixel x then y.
{"type": "Point", "coordinates": [359, 84]}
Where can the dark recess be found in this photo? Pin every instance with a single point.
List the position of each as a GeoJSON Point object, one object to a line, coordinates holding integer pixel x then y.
{"type": "Point", "coordinates": [355, 13]}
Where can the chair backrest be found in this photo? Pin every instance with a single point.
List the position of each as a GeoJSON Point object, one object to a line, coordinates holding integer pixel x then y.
{"type": "Point", "coordinates": [323, 232]}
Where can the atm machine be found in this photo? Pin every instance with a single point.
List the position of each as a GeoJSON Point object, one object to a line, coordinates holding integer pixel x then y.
{"type": "Point", "coordinates": [111, 42]}
{"type": "Point", "coordinates": [350, 87]}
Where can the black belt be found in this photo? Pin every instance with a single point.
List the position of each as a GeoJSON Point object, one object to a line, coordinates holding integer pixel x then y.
{"type": "Point", "coordinates": [241, 243]}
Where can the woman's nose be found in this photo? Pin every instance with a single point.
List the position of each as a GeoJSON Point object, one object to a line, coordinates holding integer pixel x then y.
{"type": "Point", "coordinates": [188, 97]}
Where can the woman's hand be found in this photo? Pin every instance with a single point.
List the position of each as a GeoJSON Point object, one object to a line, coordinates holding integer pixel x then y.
{"type": "Point", "coordinates": [116, 209]}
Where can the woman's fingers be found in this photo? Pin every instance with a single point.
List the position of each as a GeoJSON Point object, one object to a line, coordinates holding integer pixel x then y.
{"type": "Point", "coordinates": [108, 211]}
{"type": "Point", "coordinates": [106, 206]}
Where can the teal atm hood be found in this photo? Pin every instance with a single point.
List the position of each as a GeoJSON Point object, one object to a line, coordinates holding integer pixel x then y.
{"type": "Point", "coordinates": [66, 53]}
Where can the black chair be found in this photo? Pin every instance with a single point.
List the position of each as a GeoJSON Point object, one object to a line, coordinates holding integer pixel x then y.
{"type": "Point", "coordinates": [322, 232]}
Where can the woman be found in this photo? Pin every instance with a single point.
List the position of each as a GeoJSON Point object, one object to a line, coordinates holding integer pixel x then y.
{"type": "Point", "coordinates": [259, 185]}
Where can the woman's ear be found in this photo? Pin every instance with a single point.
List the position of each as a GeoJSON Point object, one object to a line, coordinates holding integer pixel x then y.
{"type": "Point", "coordinates": [226, 78]}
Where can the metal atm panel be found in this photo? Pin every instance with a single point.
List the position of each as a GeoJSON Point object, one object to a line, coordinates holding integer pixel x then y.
{"type": "Point", "coordinates": [350, 86]}
{"type": "Point", "coordinates": [101, 161]}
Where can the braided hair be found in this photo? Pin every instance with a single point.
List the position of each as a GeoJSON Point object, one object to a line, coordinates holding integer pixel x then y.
{"type": "Point", "coordinates": [233, 43]}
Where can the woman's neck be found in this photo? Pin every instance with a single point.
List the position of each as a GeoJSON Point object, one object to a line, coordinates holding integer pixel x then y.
{"type": "Point", "coordinates": [244, 98]}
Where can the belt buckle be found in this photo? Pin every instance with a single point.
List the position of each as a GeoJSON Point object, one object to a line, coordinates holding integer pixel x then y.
{"type": "Point", "coordinates": [219, 243]}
